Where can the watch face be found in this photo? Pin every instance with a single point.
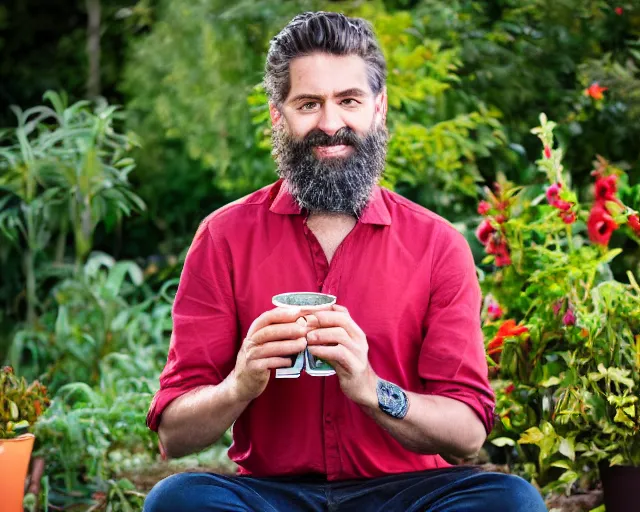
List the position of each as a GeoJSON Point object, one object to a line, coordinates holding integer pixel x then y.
{"type": "Point", "coordinates": [392, 400]}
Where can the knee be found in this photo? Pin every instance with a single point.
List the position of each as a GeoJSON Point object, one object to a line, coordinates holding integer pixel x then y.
{"type": "Point", "coordinates": [518, 495]}
{"type": "Point", "coordinates": [169, 494]}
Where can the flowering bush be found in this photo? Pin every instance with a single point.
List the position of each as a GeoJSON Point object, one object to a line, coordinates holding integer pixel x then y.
{"type": "Point", "coordinates": [20, 403]}
{"type": "Point", "coordinates": [562, 335]}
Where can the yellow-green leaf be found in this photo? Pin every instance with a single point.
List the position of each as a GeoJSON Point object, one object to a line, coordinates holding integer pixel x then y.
{"type": "Point", "coordinates": [13, 410]}
{"type": "Point", "coordinates": [531, 436]}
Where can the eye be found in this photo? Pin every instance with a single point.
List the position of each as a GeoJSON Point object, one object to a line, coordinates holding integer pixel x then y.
{"type": "Point", "coordinates": [309, 106]}
{"type": "Point", "coordinates": [349, 102]}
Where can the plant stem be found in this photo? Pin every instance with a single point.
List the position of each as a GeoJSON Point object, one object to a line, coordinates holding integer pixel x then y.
{"type": "Point", "coordinates": [569, 238]}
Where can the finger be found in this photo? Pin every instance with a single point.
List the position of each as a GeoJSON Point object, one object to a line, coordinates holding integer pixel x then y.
{"type": "Point", "coordinates": [276, 349]}
{"type": "Point", "coordinates": [328, 336]}
{"type": "Point", "coordinates": [311, 321]}
{"type": "Point", "coordinates": [271, 363]}
{"type": "Point", "coordinates": [339, 319]}
{"type": "Point", "coordinates": [341, 309]}
{"type": "Point", "coordinates": [337, 355]}
{"type": "Point", "coordinates": [279, 332]}
{"type": "Point", "coordinates": [274, 316]}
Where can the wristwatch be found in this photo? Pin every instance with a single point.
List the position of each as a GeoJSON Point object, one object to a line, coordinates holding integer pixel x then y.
{"type": "Point", "coordinates": [392, 400]}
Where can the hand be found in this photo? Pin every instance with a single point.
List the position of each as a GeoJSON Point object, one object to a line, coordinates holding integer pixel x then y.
{"type": "Point", "coordinates": [272, 338]}
{"type": "Point", "coordinates": [336, 338]}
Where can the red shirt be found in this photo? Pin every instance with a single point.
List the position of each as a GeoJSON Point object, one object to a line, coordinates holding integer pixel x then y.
{"type": "Point", "coordinates": [409, 281]}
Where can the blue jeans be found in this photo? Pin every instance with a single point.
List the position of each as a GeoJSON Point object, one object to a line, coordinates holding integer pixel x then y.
{"type": "Point", "coordinates": [457, 489]}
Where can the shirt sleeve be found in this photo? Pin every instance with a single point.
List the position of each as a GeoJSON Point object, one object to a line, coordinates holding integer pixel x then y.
{"type": "Point", "coordinates": [452, 359]}
{"type": "Point", "coordinates": [204, 342]}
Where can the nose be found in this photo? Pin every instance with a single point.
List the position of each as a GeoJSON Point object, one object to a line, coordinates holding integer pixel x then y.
{"type": "Point", "coordinates": [330, 121]}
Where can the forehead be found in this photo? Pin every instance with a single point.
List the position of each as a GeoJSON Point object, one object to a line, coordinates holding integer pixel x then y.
{"type": "Point", "coordinates": [323, 74]}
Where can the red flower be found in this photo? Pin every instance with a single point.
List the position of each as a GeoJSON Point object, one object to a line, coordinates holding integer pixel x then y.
{"type": "Point", "coordinates": [508, 329]}
{"type": "Point", "coordinates": [600, 225]}
{"type": "Point", "coordinates": [568, 217]}
{"type": "Point", "coordinates": [547, 152]}
{"type": "Point", "coordinates": [569, 318]}
{"type": "Point", "coordinates": [484, 231]}
{"type": "Point", "coordinates": [619, 11]}
{"type": "Point", "coordinates": [501, 218]}
{"type": "Point", "coordinates": [503, 260]}
{"type": "Point", "coordinates": [494, 311]}
{"type": "Point", "coordinates": [595, 91]}
{"type": "Point", "coordinates": [483, 207]}
{"type": "Point", "coordinates": [509, 389]}
{"type": "Point", "coordinates": [634, 223]}
{"type": "Point", "coordinates": [553, 192]}
{"type": "Point", "coordinates": [560, 204]}
{"type": "Point", "coordinates": [501, 251]}
{"type": "Point", "coordinates": [606, 188]}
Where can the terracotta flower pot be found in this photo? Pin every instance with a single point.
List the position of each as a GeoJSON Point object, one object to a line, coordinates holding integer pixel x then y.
{"type": "Point", "coordinates": [620, 485]}
{"type": "Point", "coordinates": [14, 462]}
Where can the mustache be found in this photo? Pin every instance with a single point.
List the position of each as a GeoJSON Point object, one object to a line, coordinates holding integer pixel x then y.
{"type": "Point", "coordinates": [344, 136]}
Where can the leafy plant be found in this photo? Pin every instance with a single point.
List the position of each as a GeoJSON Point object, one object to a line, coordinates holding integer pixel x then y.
{"type": "Point", "coordinates": [563, 336]}
{"type": "Point", "coordinates": [91, 318]}
{"type": "Point", "coordinates": [21, 403]}
{"type": "Point", "coordinates": [62, 169]}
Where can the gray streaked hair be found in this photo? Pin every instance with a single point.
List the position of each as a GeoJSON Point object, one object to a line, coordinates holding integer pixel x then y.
{"type": "Point", "coordinates": [322, 32]}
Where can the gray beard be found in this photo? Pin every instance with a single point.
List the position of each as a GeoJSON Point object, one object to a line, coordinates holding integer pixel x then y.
{"type": "Point", "coordinates": [338, 184]}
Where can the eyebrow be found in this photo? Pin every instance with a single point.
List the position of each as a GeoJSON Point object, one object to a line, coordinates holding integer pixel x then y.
{"type": "Point", "coordinates": [353, 92]}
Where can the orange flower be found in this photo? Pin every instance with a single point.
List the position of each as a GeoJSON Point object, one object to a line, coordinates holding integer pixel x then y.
{"type": "Point", "coordinates": [595, 91]}
{"type": "Point", "coordinates": [508, 329]}
{"type": "Point", "coordinates": [37, 407]}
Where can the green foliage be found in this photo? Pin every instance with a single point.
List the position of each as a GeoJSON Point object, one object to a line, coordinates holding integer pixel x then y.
{"type": "Point", "coordinates": [92, 319]}
{"type": "Point", "coordinates": [568, 378]}
{"type": "Point", "coordinates": [62, 169]}
{"type": "Point", "coordinates": [21, 403]}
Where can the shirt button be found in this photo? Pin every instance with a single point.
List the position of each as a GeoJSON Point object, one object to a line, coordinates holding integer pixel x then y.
{"type": "Point", "coordinates": [327, 419]}
{"type": "Point", "coordinates": [320, 283]}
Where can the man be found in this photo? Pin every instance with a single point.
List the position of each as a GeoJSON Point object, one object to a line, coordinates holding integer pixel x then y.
{"type": "Point", "coordinates": [411, 383]}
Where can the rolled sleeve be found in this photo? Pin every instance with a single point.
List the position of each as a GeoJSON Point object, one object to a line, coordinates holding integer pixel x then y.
{"type": "Point", "coordinates": [452, 359]}
{"type": "Point", "coordinates": [204, 338]}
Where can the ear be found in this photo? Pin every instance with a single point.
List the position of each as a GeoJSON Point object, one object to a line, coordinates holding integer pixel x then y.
{"type": "Point", "coordinates": [276, 115]}
{"type": "Point", "coordinates": [382, 105]}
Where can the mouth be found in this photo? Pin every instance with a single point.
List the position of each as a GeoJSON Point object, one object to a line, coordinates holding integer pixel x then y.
{"type": "Point", "coordinates": [332, 151]}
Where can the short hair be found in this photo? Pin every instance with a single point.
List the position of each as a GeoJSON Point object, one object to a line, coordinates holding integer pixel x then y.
{"type": "Point", "coordinates": [326, 32]}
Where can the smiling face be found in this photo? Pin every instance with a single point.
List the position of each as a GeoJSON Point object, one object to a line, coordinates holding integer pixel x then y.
{"type": "Point", "coordinates": [329, 134]}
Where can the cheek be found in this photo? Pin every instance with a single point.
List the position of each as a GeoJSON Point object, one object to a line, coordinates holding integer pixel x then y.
{"type": "Point", "coordinates": [363, 122]}
{"type": "Point", "coordinates": [301, 126]}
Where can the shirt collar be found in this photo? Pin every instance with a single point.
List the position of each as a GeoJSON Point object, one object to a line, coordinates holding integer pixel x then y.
{"type": "Point", "coordinates": [376, 211]}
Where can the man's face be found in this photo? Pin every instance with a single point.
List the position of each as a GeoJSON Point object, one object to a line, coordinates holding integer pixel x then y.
{"type": "Point", "coordinates": [329, 135]}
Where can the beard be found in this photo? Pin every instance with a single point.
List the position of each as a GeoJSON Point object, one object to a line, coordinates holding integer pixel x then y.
{"type": "Point", "coordinates": [334, 184]}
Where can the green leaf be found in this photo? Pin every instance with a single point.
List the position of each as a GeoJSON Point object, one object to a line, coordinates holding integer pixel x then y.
{"type": "Point", "coordinates": [567, 449]}
{"type": "Point", "coordinates": [503, 441]}
{"type": "Point", "coordinates": [531, 436]}
{"type": "Point", "coordinates": [561, 464]}
{"type": "Point", "coordinates": [13, 410]}
{"type": "Point", "coordinates": [551, 381]}
{"type": "Point", "coordinates": [618, 460]}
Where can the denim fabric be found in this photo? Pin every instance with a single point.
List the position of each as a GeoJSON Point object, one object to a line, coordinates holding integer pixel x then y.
{"type": "Point", "coordinates": [458, 489]}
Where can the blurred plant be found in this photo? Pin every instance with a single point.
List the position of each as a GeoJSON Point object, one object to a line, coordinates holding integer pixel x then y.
{"type": "Point", "coordinates": [565, 351]}
{"type": "Point", "coordinates": [62, 169]}
{"type": "Point", "coordinates": [21, 403]}
{"type": "Point", "coordinates": [102, 311]}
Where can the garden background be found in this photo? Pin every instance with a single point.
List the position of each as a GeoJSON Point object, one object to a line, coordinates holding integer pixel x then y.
{"type": "Point", "coordinates": [125, 124]}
